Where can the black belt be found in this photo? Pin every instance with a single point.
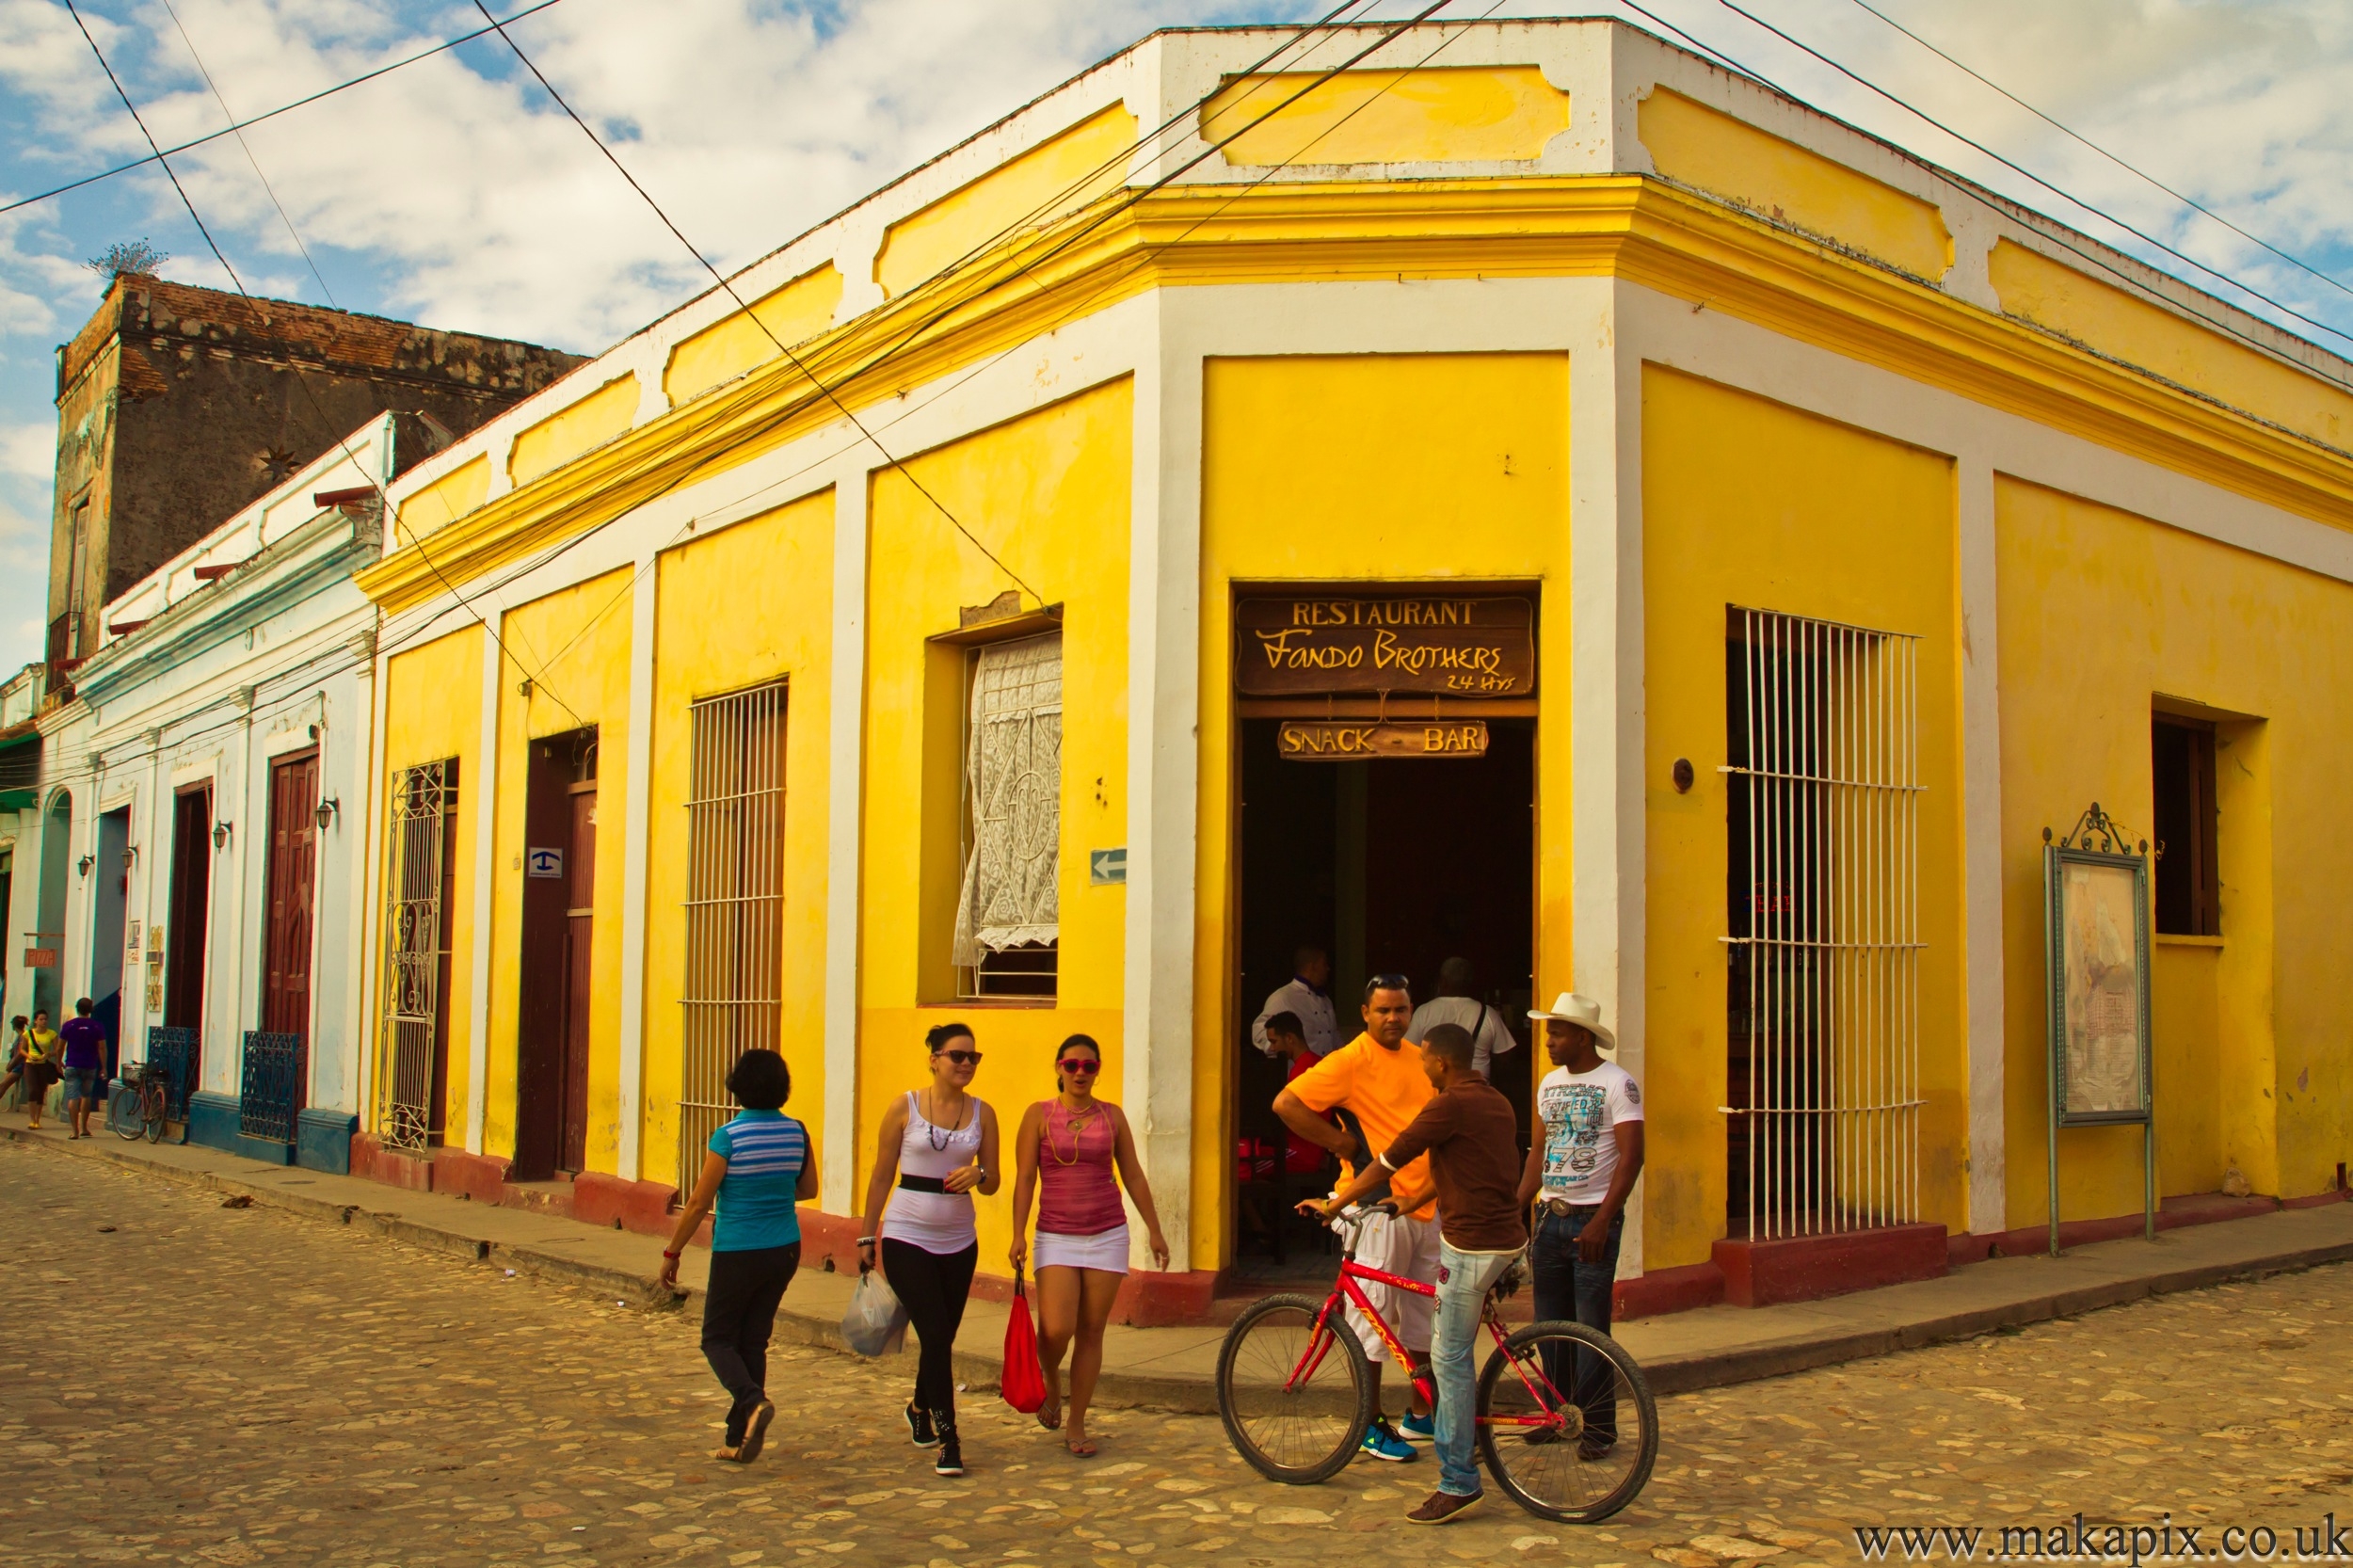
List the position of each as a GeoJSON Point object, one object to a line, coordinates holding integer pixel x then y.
{"type": "Point", "coordinates": [921, 1183]}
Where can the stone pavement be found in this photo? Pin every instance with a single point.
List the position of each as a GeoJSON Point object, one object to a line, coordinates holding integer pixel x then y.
{"type": "Point", "coordinates": [1170, 1369]}
{"type": "Point", "coordinates": [188, 1383]}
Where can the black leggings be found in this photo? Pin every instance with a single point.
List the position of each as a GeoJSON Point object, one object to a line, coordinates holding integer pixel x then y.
{"type": "Point", "coordinates": [739, 1312]}
{"type": "Point", "coordinates": [932, 1287]}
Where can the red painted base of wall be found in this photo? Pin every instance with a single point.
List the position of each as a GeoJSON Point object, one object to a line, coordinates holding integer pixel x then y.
{"type": "Point", "coordinates": [479, 1176]}
{"type": "Point", "coordinates": [2191, 1209]}
{"type": "Point", "coordinates": [1150, 1299]}
{"type": "Point", "coordinates": [1806, 1267]}
{"type": "Point", "coordinates": [393, 1167]}
{"type": "Point", "coordinates": [1664, 1290]}
{"type": "Point", "coordinates": [647, 1207]}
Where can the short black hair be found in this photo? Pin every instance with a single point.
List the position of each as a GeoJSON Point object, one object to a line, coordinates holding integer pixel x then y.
{"type": "Point", "coordinates": [1086, 1040]}
{"type": "Point", "coordinates": [1453, 1043]}
{"type": "Point", "coordinates": [1286, 1023]}
{"type": "Point", "coordinates": [936, 1038]}
{"type": "Point", "coordinates": [83, 1006]}
{"type": "Point", "coordinates": [1307, 953]}
{"type": "Point", "coordinates": [759, 1080]}
{"type": "Point", "coordinates": [19, 1021]}
{"type": "Point", "coordinates": [1390, 983]}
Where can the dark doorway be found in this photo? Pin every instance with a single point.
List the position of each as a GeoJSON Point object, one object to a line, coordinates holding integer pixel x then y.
{"type": "Point", "coordinates": [189, 912]}
{"type": "Point", "coordinates": [290, 876]}
{"type": "Point", "coordinates": [558, 956]}
{"type": "Point", "coordinates": [2181, 753]}
{"type": "Point", "coordinates": [1390, 866]}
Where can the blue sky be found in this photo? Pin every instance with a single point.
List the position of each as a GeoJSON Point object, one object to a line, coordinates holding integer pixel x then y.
{"type": "Point", "coordinates": [453, 193]}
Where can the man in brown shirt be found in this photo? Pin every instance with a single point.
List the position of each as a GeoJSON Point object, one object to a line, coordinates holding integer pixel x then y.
{"type": "Point", "coordinates": [1472, 1138]}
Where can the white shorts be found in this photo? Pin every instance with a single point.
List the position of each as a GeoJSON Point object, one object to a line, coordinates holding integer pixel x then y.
{"type": "Point", "coordinates": [1105, 1251]}
{"type": "Point", "coordinates": [1397, 1246]}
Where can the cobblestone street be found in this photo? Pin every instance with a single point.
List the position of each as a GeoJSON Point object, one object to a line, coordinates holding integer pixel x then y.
{"type": "Point", "coordinates": [184, 1382]}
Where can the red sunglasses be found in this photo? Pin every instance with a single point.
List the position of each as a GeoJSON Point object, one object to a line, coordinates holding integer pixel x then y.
{"type": "Point", "coordinates": [1080, 1064]}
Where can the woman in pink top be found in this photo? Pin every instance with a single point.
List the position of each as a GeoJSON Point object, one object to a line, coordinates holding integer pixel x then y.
{"type": "Point", "coordinates": [1075, 1142]}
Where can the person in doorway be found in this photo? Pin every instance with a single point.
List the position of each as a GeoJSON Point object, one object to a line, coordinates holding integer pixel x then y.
{"type": "Point", "coordinates": [1456, 1003]}
{"type": "Point", "coordinates": [756, 1169]}
{"type": "Point", "coordinates": [15, 1074]}
{"type": "Point", "coordinates": [1306, 997]}
{"type": "Point", "coordinates": [1066, 1151]}
{"type": "Point", "coordinates": [1381, 1084]}
{"type": "Point", "coordinates": [937, 1146]}
{"type": "Point", "coordinates": [1579, 1173]}
{"type": "Point", "coordinates": [40, 1065]}
{"type": "Point", "coordinates": [84, 1057]}
{"type": "Point", "coordinates": [1471, 1134]}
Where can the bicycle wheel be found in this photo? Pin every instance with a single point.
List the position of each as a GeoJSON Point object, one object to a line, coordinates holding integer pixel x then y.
{"type": "Point", "coordinates": [151, 1112]}
{"type": "Point", "coordinates": [1566, 1422]}
{"type": "Point", "coordinates": [1295, 1398]}
{"type": "Point", "coordinates": [122, 1113]}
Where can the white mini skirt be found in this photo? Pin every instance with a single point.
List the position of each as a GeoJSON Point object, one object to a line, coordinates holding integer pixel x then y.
{"type": "Point", "coordinates": [1106, 1250]}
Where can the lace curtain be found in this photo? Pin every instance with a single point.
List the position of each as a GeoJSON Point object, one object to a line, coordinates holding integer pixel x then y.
{"type": "Point", "coordinates": [1013, 782]}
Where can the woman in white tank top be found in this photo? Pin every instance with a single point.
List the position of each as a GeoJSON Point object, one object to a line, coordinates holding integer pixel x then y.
{"type": "Point", "coordinates": [937, 1146]}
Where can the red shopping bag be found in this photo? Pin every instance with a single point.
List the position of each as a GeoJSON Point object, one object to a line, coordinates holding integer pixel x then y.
{"type": "Point", "coordinates": [1024, 1382]}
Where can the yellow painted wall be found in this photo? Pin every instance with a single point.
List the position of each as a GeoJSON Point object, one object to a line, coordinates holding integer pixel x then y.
{"type": "Point", "coordinates": [432, 710]}
{"type": "Point", "coordinates": [1058, 176]}
{"type": "Point", "coordinates": [1447, 114]}
{"type": "Point", "coordinates": [1752, 504]}
{"type": "Point", "coordinates": [2101, 612]}
{"type": "Point", "coordinates": [726, 348]}
{"type": "Point", "coordinates": [1419, 467]}
{"type": "Point", "coordinates": [564, 435]}
{"type": "Point", "coordinates": [577, 641]}
{"type": "Point", "coordinates": [453, 495]}
{"type": "Point", "coordinates": [1049, 493]}
{"type": "Point", "coordinates": [2114, 323]}
{"type": "Point", "coordinates": [1702, 146]}
{"type": "Point", "coordinates": [711, 637]}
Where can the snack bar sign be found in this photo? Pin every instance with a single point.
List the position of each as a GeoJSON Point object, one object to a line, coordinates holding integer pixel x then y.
{"type": "Point", "coordinates": [1453, 644]}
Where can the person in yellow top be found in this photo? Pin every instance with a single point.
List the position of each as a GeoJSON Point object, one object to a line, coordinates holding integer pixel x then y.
{"type": "Point", "coordinates": [38, 1053]}
{"type": "Point", "coordinates": [1381, 1086]}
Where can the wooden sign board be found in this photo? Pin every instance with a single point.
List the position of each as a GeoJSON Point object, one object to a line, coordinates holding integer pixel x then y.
{"type": "Point", "coordinates": [1452, 644]}
{"type": "Point", "coordinates": [1358, 741]}
{"type": "Point", "coordinates": [41, 958]}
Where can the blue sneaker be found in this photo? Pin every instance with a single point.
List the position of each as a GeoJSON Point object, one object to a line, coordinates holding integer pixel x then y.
{"type": "Point", "coordinates": [1418, 1429]}
{"type": "Point", "coordinates": [1382, 1442]}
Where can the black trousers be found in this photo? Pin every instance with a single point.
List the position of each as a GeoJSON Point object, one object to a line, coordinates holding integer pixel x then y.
{"type": "Point", "coordinates": [932, 1287]}
{"type": "Point", "coordinates": [739, 1313]}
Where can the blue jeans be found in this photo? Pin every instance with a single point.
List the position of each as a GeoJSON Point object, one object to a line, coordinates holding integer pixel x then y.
{"type": "Point", "coordinates": [1463, 1282]}
{"type": "Point", "coordinates": [1568, 1288]}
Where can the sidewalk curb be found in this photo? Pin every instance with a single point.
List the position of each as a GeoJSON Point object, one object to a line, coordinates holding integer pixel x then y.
{"type": "Point", "coordinates": [979, 1371]}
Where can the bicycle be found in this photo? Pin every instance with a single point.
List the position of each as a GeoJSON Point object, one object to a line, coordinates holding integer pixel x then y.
{"type": "Point", "coordinates": [136, 1107]}
{"type": "Point", "coordinates": [1296, 1394]}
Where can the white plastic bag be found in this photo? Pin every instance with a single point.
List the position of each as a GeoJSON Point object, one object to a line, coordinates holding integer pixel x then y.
{"type": "Point", "coordinates": [876, 1321]}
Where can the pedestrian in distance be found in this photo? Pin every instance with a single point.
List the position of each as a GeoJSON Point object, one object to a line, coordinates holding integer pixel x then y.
{"type": "Point", "coordinates": [756, 1169]}
{"type": "Point", "coordinates": [1382, 1085]}
{"type": "Point", "coordinates": [1471, 1135]}
{"type": "Point", "coordinates": [15, 1074]}
{"type": "Point", "coordinates": [40, 1065]}
{"type": "Point", "coordinates": [936, 1147]}
{"type": "Point", "coordinates": [84, 1057]}
{"type": "Point", "coordinates": [1457, 1003]}
{"type": "Point", "coordinates": [1066, 1152]}
{"type": "Point", "coordinates": [1579, 1174]}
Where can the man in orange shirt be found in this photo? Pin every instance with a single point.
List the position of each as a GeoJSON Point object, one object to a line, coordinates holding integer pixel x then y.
{"type": "Point", "coordinates": [1383, 1087]}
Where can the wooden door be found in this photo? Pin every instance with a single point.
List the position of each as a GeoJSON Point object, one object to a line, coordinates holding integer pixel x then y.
{"type": "Point", "coordinates": [190, 909]}
{"type": "Point", "coordinates": [294, 799]}
{"type": "Point", "coordinates": [579, 931]}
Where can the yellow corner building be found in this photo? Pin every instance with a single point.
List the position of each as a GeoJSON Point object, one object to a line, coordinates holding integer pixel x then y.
{"type": "Point", "coordinates": [1523, 494]}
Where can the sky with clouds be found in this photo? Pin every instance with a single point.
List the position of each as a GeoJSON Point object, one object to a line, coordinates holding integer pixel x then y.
{"type": "Point", "coordinates": [451, 192]}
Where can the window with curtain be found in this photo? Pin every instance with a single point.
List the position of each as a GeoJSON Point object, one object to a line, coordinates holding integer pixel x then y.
{"type": "Point", "coordinates": [1008, 918]}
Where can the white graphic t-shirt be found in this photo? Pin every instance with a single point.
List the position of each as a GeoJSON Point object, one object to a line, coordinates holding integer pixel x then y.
{"type": "Point", "coordinates": [1579, 1109]}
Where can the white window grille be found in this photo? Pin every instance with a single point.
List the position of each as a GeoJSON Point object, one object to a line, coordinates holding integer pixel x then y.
{"type": "Point", "coordinates": [732, 992]}
{"type": "Point", "coordinates": [411, 1065]}
{"type": "Point", "coordinates": [1824, 807]}
{"type": "Point", "coordinates": [1008, 917]}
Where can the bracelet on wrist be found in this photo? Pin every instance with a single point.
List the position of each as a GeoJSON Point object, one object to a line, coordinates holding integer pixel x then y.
{"type": "Point", "coordinates": [667, 1252]}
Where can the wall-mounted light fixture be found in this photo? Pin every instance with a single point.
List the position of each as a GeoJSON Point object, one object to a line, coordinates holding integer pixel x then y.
{"type": "Point", "coordinates": [329, 811]}
{"type": "Point", "coordinates": [85, 863]}
{"type": "Point", "coordinates": [220, 835]}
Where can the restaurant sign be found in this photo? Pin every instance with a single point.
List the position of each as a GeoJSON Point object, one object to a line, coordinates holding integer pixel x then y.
{"type": "Point", "coordinates": [1357, 740]}
{"type": "Point", "coordinates": [1450, 645]}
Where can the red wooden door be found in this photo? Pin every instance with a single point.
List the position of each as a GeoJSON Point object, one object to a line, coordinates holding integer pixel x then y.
{"type": "Point", "coordinates": [580, 934]}
{"type": "Point", "coordinates": [294, 799]}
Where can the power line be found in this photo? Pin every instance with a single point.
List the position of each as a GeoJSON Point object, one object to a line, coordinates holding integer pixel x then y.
{"type": "Point", "coordinates": [2190, 201]}
{"type": "Point", "coordinates": [283, 109]}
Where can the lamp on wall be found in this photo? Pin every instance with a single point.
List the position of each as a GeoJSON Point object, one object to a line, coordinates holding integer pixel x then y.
{"type": "Point", "coordinates": [329, 811]}
{"type": "Point", "coordinates": [85, 863]}
{"type": "Point", "coordinates": [220, 835]}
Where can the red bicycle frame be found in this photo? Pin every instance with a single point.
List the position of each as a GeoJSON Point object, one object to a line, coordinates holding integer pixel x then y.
{"type": "Point", "coordinates": [1345, 1290]}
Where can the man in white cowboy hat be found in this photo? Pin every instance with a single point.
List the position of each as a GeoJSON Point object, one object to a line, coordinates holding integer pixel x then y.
{"type": "Point", "coordinates": [1578, 1176]}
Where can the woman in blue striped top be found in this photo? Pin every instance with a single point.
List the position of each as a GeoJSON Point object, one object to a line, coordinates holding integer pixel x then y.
{"type": "Point", "coordinates": [758, 1165]}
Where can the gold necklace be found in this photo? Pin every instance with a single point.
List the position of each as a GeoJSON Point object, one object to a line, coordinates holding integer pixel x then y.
{"type": "Point", "coordinates": [1075, 1124]}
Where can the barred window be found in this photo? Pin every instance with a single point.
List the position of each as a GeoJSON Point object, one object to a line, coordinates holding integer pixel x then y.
{"type": "Point", "coordinates": [1008, 917]}
{"type": "Point", "coordinates": [413, 1071]}
{"type": "Point", "coordinates": [731, 990]}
